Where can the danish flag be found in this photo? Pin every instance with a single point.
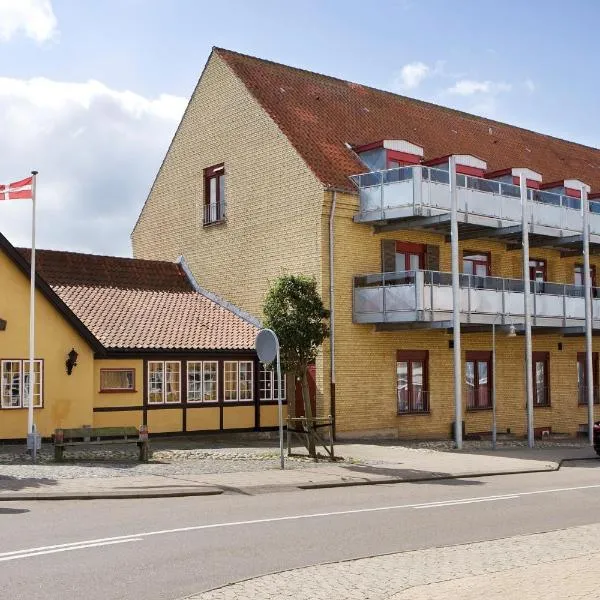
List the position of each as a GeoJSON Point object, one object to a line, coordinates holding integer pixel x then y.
{"type": "Point", "coordinates": [18, 190]}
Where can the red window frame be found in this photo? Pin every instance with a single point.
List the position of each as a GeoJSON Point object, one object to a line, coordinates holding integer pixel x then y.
{"type": "Point", "coordinates": [475, 262]}
{"type": "Point", "coordinates": [475, 402]}
{"type": "Point", "coordinates": [578, 271]}
{"type": "Point", "coordinates": [541, 397]}
{"type": "Point", "coordinates": [582, 374]}
{"type": "Point", "coordinates": [411, 249]}
{"type": "Point", "coordinates": [416, 404]}
{"type": "Point", "coordinates": [216, 214]}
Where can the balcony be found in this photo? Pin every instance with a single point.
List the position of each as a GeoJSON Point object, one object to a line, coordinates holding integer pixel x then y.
{"type": "Point", "coordinates": [424, 299]}
{"type": "Point", "coordinates": [421, 196]}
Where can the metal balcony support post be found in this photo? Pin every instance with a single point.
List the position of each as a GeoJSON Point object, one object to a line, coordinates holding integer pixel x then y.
{"type": "Point", "coordinates": [381, 192]}
{"type": "Point", "coordinates": [383, 297]}
{"type": "Point", "coordinates": [526, 295]}
{"type": "Point", "coordinates": [494, 426]}
{"type": "Point", "coordinates": [455, 306]}
{"type": "Point", "coordinates": [588, 312]}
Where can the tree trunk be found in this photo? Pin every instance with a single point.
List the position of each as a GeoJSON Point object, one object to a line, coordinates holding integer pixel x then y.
{"type": "Point", "coordinates": [309, 416]}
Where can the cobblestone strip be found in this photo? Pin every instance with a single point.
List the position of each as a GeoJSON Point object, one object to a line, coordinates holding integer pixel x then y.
{"type": "Point", "coordinates": [386, 577]}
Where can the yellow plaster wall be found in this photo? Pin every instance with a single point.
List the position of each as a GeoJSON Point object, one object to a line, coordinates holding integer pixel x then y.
{"type": "Point", "coordinates": [112, 399]}
{"type": "Point", "coordinates": [203, 419]}
{"type": "Point", "coordinates": [165, 420]}
{"type": "Point", "coordinates": [67, 398]}
{"type": "Point", "coordinates": [125, 418]}
{"type": "Point", "coordinates": [238, 417]}
{"type": "Point", "coordinates": [269, 415]}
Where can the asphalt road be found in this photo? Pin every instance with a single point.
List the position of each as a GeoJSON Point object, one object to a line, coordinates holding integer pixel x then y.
{"type": "Point", "coordinates": [170, 548]}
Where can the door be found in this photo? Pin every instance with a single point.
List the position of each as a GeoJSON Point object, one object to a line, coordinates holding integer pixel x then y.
{"type": "Point", "coordinates": [409, 257]}
{"type": "Point", "coordinates": [537, 274]}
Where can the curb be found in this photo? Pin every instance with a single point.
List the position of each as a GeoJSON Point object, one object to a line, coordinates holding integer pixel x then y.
{"type": "Point", "coordinates": [219, 490]}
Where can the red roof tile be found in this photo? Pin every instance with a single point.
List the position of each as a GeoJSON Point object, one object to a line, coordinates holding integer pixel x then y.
{"type": "Point", "coordinates": [319, 114]}
{"type": "Point", "coordinates": [132, 304]}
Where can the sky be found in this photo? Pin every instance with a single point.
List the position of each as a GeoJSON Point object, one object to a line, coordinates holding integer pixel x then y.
{"type": "Point", "coordinates": [91, 92]}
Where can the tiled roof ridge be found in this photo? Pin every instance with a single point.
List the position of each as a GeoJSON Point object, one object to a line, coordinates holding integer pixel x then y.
{"type": "Point", "coordinates": [454, 111]}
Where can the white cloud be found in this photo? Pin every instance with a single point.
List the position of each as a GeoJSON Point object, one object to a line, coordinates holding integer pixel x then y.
{"type": "Point", "coordinates": [35, 18]}
{"type": "Point", "coordinates": [468, 87]}
{"type": "Point", "coordinates": [529, 85]}
{"type": "Point", "coordinates": [97, 150]}
{"type": "Point", "coordinates": [411, 75]}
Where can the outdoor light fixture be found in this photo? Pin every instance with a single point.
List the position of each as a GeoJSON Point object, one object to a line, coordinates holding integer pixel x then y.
{"type": "Point", "coordinates": [512, 332]}
{"type": "Point", "coordinates": [2, 325]}
{"type": "Point", "coordinates": [71, 361]}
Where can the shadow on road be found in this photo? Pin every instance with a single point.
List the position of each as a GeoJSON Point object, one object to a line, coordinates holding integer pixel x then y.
{"type": "Point", "coordinates": [13, 511]}
{"type": "Point", "coordinates": [412, 474]}
{"type": "Point", "coordinates": [15, 484]}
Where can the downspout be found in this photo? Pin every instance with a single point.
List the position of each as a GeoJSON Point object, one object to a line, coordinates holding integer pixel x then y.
{"type": "Point", "coordinates": [332, 310]}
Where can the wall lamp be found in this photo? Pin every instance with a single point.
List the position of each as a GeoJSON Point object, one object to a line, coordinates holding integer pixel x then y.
{"type": "Point", "coordinates": [71, 361]}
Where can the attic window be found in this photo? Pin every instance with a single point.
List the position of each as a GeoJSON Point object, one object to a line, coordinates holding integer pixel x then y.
{"type": "Point", "coordinates": [214, 194]}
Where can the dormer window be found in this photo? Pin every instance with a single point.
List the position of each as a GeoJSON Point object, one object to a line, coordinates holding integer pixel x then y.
{"type": "Point", "coordinates": [389, 154]}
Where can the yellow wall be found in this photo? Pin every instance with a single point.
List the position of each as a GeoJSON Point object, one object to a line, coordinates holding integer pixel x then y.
{"type": "Point", "coordinates": [366, 358]}
{"type": "Point", "coordinates": [112, 399]}
{"type": "Point", "coordinates": [269, 415]}
{"type": "Point", "coordinates": [67, 398]}
{"type": "Point", "coordinates": [126, 418]}
{"type": "Point", "coordinates": [238, 417]}
{"type": "Point", "coordinates": [268, 188]}
{"type": "Point", "coordinates": [203, 419]}
{"type": "Point", "coordinates": [165, 420]}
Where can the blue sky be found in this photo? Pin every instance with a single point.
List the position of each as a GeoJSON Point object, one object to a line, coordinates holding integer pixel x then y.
{"type": "Point", "coordinates": [91, 92]}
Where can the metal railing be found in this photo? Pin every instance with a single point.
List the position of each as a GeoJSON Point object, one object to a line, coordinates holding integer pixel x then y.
{"type": "Point", "coordinates": [380, 297]}
{"type": "Point", "coordinates": [582, 395]}
{"type": "Point", "coordinates": [412, 401]}
{"type": "Point", "coordinates": [479, 398]}
{"type": "Point", "coordinates": [213, 213]}
{"type": "Point", "coordinates": [380, 192]}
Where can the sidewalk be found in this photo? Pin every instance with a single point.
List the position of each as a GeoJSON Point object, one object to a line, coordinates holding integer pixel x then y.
{"type": "Point", "coordinates": [557, 565]}
{"type": "Point", "coordinates": [364, 464]}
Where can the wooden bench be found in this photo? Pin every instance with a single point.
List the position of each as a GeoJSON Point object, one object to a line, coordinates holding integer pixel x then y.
{"type": "Point", "coordinates": [88, 436]}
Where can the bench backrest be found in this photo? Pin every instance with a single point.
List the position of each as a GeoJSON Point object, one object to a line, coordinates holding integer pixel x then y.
{"type": "Point", "coordinates": [98, 432]}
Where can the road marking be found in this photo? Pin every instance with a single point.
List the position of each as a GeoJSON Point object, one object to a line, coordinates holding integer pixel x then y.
{"type": "Point", "coordinates": [135, 537]}
{"type": "Point", "coordinates": [65, 548]}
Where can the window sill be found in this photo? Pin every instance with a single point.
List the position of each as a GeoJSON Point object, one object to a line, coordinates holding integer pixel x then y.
{"type": "Point", "coordinates": [213, 223]}
{"type": "Point", "coordinates": [20, 407]}
{"type": "Point", "coordinates": [542, 406]}
{"type": "Point", "coordinates": [413, 412]}
{"type": "Point", "coordinates": [238, 402]}
{"type": "Point", "coordinates": [479, 408]}
{"type": "Point", "coordinates": [117, 392]}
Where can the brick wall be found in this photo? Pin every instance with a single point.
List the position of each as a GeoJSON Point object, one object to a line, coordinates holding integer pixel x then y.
{"type": "Point", "coordinates": [273, 199]}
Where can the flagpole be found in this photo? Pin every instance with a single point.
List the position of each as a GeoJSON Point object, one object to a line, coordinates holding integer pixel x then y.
{"type": "Point", "coordinates": [30, 424]}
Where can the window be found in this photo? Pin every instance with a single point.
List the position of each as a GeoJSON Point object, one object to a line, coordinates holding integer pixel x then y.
{"type": "Point", "coordinates": [269, 390]}
{"type": "Point", "coordinates": [582, 378]}
{"type": "Point", "coordinates": [409, 257]}
{"type": "Point", "coordinates": [477, 264]}
{"type": "Point", "coordinates": [164, 382]}
{"type": "Point", "coordinates": [117, 380]}
{"type": "Point", "coordinates": [239, 381]}
{"type": "Point", "coordinates": [15, 381]}
{"type": "Point", "coordinates": [202, 380]}
{"type": "Point", "coordinates": [411, 381]}
{"type": "Point", "coordinates": [541, 379]}
{"type": "Point", "coordinates": [214, 194]}
{"type": "Point", "coordinates": [537, 270]}
{"type": "Point", "coordinates": [478, 379]}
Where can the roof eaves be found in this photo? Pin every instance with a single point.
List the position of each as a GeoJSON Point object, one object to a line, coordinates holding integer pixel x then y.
{"type": "Point", "coordinates": [51, 295]}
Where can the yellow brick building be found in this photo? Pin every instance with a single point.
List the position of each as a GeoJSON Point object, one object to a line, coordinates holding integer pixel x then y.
{"type": "Point", "coordinates": [260, 179]}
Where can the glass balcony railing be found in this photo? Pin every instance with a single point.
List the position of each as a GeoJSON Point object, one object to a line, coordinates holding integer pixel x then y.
{"type": "Point", "coordinates": [419, 190]}
{"type": "Point", "coordinates": [411, 296]}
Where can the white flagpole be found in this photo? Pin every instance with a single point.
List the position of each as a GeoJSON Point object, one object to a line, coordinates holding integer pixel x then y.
{"type": "Point", "coordinates": [30, 425]}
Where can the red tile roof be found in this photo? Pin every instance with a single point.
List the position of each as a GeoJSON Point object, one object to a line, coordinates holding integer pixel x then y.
{"type": "Point", "coordinates": [132, 304]}
{"type": "Point", "coordinates": [320, 114]}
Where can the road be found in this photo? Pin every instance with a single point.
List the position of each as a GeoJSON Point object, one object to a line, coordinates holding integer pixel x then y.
{"type": "Point", "coordinates": [170, 548]}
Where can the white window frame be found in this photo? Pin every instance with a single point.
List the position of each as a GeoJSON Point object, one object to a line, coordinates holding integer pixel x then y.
{"type": "Point", "coordinates": [203, 365]}
{"type": "Point", "coordinates": [163, 364]}
{"type": "Point", "coordinates": [270, 395]}
{"type": "Point", "coordinates": [23, 398]}
{"type": "Point", "coordinates": [238, 381]}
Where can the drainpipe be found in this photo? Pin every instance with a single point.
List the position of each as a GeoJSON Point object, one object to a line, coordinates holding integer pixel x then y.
{"type": "Point", "coordinates": [587, 280]}
{"type": "Point", "coordinates": [332, 309]}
